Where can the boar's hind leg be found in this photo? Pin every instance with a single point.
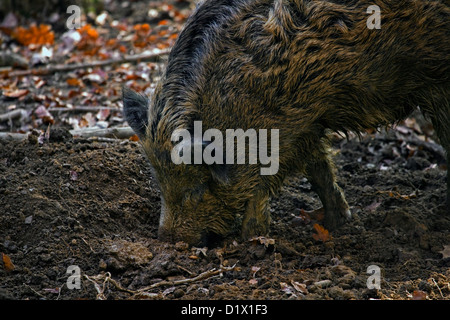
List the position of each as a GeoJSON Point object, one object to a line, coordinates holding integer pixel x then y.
{"type": "Point", "coordinates": [319, 171]}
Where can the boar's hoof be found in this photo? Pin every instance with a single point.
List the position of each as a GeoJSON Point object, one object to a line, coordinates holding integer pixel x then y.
{"type": "Point", "coordinates": [336, 218]}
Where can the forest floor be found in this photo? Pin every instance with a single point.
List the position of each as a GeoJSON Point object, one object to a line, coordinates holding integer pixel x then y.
{"type": "Point", "coordinates": [91, 202]}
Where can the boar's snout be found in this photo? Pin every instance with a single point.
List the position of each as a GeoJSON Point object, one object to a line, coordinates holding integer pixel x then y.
{"type": "Point", "coordinates": [204, 239]}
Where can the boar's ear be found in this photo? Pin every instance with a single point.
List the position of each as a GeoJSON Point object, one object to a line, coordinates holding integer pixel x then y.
{"type": "Point", "coordinates": [135, 109]}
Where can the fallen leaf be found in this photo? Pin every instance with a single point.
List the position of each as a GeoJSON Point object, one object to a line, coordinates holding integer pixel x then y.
{"type": "Point", "coordinates": [16, 93]}
{"type": "Point", "coordinates": [52, 290]}
{"type": "Point", "coordinates": [73, 175]}
{"type": "Point", "coordinates": [300, 287]}
{"type": "Point", "coordinates": [168, 291]}
{"type": "Point", "coordinates": [446, 252]}
{"type": "Point", "coordinates": [43, 114]}
{"type": "Point", "coordinates": [255, 269]}
{"type": "Point", "coordinates": [263, 240]}
{"type": "Point", "coordinates": [199, 251]}
{"type": "Point", "coordinates": [134, 138]}
{"type": "Point", "coordinates": [94, 77]}
{"type": "Point", "coordinates": [7, 263]}
{"type": "Point", "coordinates": [287, 288]}
{"type": "Point", "coordinates": [419, 295]}
{"type": "Point", "coordinates": [74, 82]}
{"type": "Point", "coordinates": [322, 233]}
{"type": "Point", "coordinates": [397, 195]}
{"type": "Point", "coordinates": [372, 207]}
{"type": "Point", "coordinates": [35, 35]}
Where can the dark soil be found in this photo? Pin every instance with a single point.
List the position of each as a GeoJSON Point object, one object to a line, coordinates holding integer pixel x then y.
{"type": "Point", "coordinates": [95, 205]}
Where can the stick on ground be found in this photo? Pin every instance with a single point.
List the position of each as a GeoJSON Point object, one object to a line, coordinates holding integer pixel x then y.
{"type": "Point", "coordinates": [69, 67]}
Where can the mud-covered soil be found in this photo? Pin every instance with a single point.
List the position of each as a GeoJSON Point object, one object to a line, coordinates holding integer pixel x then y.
{"type": "Point", "coordinates": [91, 204]}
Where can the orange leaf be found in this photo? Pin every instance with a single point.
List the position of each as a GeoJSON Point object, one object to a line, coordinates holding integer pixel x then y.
{"type": "Point", "coordinates": [162, 33]}
{"type": "Point", "coordinates": [419, 295]}
{"type": "Point", "coordinates": [162, 46]}
{"type": "Point", "coordinates": [122, 49]}
{"type": "Point", "coordinates": [35, 35]}
{"type": "Point", "coordinates": [73, 82]}
{"type": "Point", "coordinates": [15, 93]}
{"type": "Point", "coordinates": [322, 233]}
{"type": "Point", "coordinates": [92, 33]}
{"type": "Point", "coordinates": [111, 42]}
{"type": "Point", "coordinates": [145, 27]}
{"type": "Point", "coordinates": [134, 138]}
{"type": "Point", "coordinates": [7, 263]}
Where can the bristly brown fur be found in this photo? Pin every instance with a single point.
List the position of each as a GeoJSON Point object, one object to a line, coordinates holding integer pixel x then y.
{"type": "Point", "coordinates": [300, 66]}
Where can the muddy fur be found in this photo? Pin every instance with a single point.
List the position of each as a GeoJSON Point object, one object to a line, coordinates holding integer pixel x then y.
{"type": "Point", "coordinates": [303, 67]}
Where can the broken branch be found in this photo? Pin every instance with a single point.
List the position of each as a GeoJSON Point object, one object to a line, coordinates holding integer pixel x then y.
{"type": "Point", "coordinates": [117, 133]}
{"type": "Point", "coordinates": [9, 136]}
{"type": "Point", "coordinates": [107, 278]}
{"type": "Point", "coordinates": [201, 276]}
{"type": "Point", "coordinates": [95, 64]}
{"type": "Point", "coordinates": [109, 133]}
{"type": "Point", "coordinates": [18, 113]}
{"type": "Point", "coordinates": [82, 109]}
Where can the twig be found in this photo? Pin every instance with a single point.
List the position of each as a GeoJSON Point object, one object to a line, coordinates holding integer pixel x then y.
{"type": "Point", "coordinates": [12, 60]}
{"type": "Point", "coordinates": [201, 276]}
{"type": "Point", "coordinates": [9, 136]}
{"type": "Point", "coordinates": [185, 270]}
{"type": "Point", "coordinates": [434, 281]}
{"type": "Point", "coordinates": [107, 278]}
{"type": "Point", "coordinates": [83, 109]}
{"type": "Point", "coordinates": [95, 64]}
{"type": "Point", "coordinates": [41, 295]}
{"type": "Point", "coordinates": [18, 113]}
{"type": "Point", "coordinates": [118, 133]}
{"type": "Point", "coordinates": [106, 135]}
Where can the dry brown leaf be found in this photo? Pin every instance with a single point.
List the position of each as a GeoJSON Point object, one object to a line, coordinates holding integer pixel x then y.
{"type": "Point", "coordinates": [322, 233]}
{"type": "Point", "coordinates": [446, 252]}
{"type": "Point", "coordinates": [300, 287]}
{"type": "Point", "coordinates": [263, 240]}
{"type": "Point", "coordinates": [74, 82]}
{"type": "Point", "coordinates": [7, 263]}
{"type": "Point", "coordinates": [15, 93]}
{"type": "Point", "coordinates": [134, 138]}
{"type": "Point", "coordinates": [42, 113]}
{"type": "Point", "coordinates": [419, 295]}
